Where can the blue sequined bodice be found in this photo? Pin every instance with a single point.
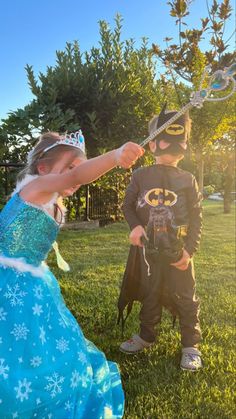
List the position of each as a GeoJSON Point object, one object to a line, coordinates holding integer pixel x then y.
{"type": "Point", "coordinates": [26, 231]}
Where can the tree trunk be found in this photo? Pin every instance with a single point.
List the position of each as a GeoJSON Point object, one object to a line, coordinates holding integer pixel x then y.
{"type": "Point", "coordinates": [228, 185]}
{"type": "Point", "coordinates": [200, 160]}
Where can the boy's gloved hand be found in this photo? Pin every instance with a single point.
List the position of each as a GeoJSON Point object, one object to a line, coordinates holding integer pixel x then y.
{"type": "Point", "coordinates": [136, 235]}
{"type": "Point", "coordinates": [183, 263]}
{"type": "Point", "coordinates": [127, 154]}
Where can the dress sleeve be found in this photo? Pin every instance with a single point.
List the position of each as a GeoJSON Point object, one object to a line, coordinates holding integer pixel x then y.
{"type": "Point", "coordinates": [130, 203]}
{"type": "Point", "coordinates": [194, 198]}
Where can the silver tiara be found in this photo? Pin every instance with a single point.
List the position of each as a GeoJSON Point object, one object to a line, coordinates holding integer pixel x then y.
{"type": "Point", "coordinates": [75, 139]}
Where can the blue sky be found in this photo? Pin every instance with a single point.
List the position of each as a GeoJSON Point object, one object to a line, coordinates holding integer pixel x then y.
{"type": "Point", "coordinates": [32, 30]}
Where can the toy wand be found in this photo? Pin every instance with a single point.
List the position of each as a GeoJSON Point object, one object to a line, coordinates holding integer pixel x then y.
{"type": "Point", "coordinates": [219, 80]}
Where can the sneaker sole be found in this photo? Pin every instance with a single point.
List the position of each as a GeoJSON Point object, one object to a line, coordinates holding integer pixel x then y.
{"type": "Point", "coordinates": [131, 352]}
{"type": "Point", "coordinates": [191, 370]}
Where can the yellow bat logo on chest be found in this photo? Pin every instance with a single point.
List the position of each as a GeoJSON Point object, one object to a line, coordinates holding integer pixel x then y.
{"type": "Point", "coordinates": [158, 196]}
{"type": "Point", "coordinates": [175, 129]}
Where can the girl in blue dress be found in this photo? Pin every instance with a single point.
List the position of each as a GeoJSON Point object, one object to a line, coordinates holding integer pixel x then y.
{"type": "Point", "coordinates": [47, 367]}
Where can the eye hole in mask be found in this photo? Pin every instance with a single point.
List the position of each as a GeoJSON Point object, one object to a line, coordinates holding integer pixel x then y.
{"type": "Point", "coordinates": [164, 144]}
{"type": "Point", "coordinates": [183, 144]}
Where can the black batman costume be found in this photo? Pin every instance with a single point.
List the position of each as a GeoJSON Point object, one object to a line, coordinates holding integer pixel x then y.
{"type": "Point", "coordinates": [166, 201]}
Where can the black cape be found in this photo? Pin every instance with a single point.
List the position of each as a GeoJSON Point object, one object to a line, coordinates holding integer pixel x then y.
{"type": "Point", "coordinates": [136, 285]}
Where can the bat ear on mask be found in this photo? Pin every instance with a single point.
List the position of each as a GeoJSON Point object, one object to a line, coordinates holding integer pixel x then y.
{"type": "Point", "coordinates": [157, 120]}
{"type": "Point", "coordinates": [161, 117]}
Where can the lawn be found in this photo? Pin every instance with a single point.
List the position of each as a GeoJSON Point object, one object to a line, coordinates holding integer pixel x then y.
{"type": "Point", "coordinates": [154, 385]}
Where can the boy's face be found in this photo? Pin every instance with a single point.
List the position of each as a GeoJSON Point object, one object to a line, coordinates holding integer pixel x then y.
{"type": "Point", "coordinates": [166, 158]}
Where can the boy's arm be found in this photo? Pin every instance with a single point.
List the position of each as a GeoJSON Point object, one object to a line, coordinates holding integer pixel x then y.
{"type": "Point", "coordinates": [195, 218]}
{"type": "Point", "coordinates": [130, 202]}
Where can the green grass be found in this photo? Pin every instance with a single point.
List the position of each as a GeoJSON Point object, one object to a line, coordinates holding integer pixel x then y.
{"type": "Point", "coordinates": [154, 385]}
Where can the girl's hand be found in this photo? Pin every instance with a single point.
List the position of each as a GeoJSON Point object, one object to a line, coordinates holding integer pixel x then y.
{"type": "Point", "coordinates": [136, 235]}
{"type": "Point", "coordinates": [127, 154]}
{"type": "Point", "coordinates": [183, 263]}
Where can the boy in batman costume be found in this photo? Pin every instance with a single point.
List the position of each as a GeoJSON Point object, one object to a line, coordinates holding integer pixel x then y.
{"type": "Point", "coordinates": [163, 209]}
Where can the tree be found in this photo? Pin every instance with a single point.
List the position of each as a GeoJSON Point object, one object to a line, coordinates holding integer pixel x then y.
{"type": "Point", "coordinates": [210, 124]}
{"type": "Point", "coordinates": [110, 92]}
{"type": "Point", "coordinates": [185, 60]}
{"type": "Point", "coordinates": [185, 56]}
{"type": "Point", "coordinates": [224, 148]}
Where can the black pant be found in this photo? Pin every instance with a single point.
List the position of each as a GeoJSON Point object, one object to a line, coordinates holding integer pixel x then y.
{"type": "Point", "coordinates": [179, 286]}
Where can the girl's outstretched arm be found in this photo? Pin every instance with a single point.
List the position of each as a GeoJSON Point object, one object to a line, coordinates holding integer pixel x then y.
{"type": "Point", "coordinates": [86, 172]}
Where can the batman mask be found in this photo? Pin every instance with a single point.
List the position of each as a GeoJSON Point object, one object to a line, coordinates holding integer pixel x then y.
{"type": "Point", "coordinates": [173, 140]}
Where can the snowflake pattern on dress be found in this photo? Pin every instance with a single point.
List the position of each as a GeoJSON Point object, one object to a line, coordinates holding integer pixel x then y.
{"type": "Point", "coordinates": [68, 406]}
{"type": "Point", "coordinates": [37, 309]}
{"type": "Point", "coordinates": [2, 314]}
{"type": "Point", "coordinates": [82, 357]}
{"type": "Point", "coordinates": [45, 361]}
{"type": "Point", "coordinates": [54, 385]}
{"type": "Point", "coordinates": [23, 389]}
{"type": "Point", "coordinates": [3, 368]}
{"type": "Point", "coordinates": [42, 335]}
{"type": "Point", "coordinates": [36, 361]}
{"type": "Point", "coordinates": [15, 295]}
{"type": "Point", "coordinates": [38, 292]}
{"type": "Point", "coordinates": [20, 331]}
{"type": "Point", "coordinates": [62, 345]}
{"type": "Point", "coordinates": [75, 379]}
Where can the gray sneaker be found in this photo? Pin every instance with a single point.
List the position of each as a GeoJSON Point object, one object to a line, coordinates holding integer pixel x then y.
{"type": "Point", "coordinates": [191, 359]}
{"type": "Point", "coordinates": [134, 345]}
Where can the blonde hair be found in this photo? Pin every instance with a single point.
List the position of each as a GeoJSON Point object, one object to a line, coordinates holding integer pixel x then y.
{"type": "Point", "coordinates": [37, 154]}
{"type": "Point", "coordinates": [188, 123]}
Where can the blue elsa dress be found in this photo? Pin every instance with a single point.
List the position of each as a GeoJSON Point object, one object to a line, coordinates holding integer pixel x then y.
{"type": "Point", "coordinates": [48, 369]}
